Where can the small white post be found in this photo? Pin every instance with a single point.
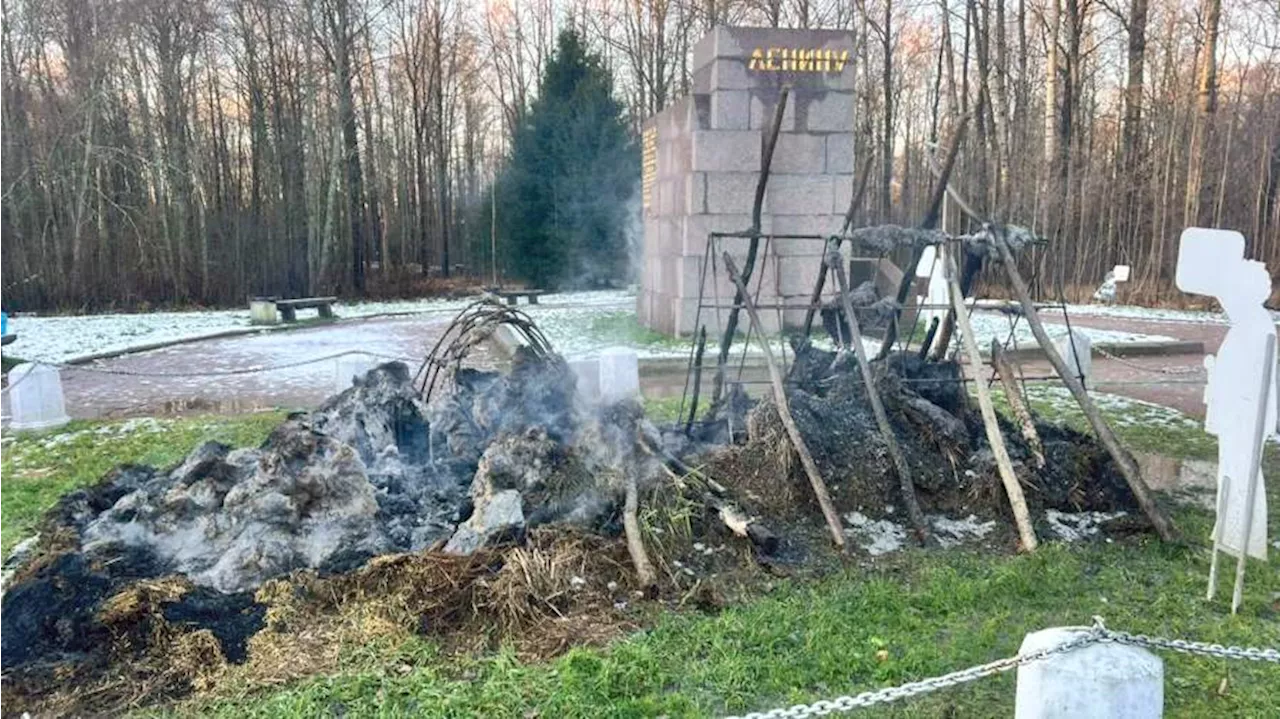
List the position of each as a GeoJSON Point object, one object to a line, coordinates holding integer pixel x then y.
{"type": "Point", "coordinates": [1100, 681]}
{"type": "Point", "coordinates": [349, 367]}
{"type": "Point", "coordinates": [35, 398]}
{"type": "Point", "coordinates": [587, 371]}
{"type": "Point", "coordinates": [262, 311]}
{"type": "Point", "coordinates": [619, 375]}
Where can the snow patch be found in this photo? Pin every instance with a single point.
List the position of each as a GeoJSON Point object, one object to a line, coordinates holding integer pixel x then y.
{"type": "Point", "coordinates": [1150, 314]}
{"type": "Point", "coordinates": [877, 536]}
{"type": "Point", "coordinates": [954, 532]}
{"type": "Point", "coordinates": [565, 317]}
{"type": "Point", "coordinates": [1075, 526]}
{"type": "Point", "coordinates": [881, 536]}
{"type": "Point", "coordinates": [61, 338]}
{"type": "Point", "coordinates": [1001, 327]}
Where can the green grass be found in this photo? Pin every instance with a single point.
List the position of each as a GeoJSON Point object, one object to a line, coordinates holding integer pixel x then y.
{"type": "Point", "coordinates": [933, 613]}
{"type": "Point", "coordinates": [662, 409]}
{"type": "Point", "coordinates": [38, 468]}
{"type": "Point", "coordinates": [623, 328]}
{"type": "Point", "coordinates": [1142, 426]}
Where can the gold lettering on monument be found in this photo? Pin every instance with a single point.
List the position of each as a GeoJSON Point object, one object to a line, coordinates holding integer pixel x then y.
{"type": "Point", "coordinates": [648, 165]}
{"type": "Point", "coordinates": [787, 59]}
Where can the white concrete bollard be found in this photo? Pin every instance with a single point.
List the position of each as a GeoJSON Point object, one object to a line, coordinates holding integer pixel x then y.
{"type": "Point", "coordinates": [35, 400]}
{"type": "Point", "coordinates": [263, 312]}
{"type": "Point", "coordinates": [1099, 681]}
{"type": "Point", "coordinates": [587, 371]}
{"type": "Point", "coordinates": [619, 375]}
{"type": "Point", "coordinates": [1080, 362]}
{"type": "Point", "coordinates": [348, 367]}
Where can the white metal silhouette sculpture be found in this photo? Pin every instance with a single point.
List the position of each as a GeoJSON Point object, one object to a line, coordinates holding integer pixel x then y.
{"type": "Point", "coordinates": [1240, 395]}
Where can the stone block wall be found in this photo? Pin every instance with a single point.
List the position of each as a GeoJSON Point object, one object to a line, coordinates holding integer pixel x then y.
{"type": "Point", "coordinates": [703, 156]}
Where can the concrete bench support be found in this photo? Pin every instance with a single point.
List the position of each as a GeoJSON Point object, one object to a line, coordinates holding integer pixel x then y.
{"type": "Point", "coordinates": [513, 297]}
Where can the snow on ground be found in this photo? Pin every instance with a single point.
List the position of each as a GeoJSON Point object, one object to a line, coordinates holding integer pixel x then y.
{"type": "Point", "coordinates": [1122, 411]}
{"type": "Point", "coordinates": [58, 339]}
{"type": "Point", "coordinates": [1077, 526]}
{"type": "Point", "coordinates": [61, 338]}
{"type": "Point", "coordinates": [882, 536]}
{"type": "Point", "coordinates": [988, 324]}
{"type": "Point", "coordinates": [1149, 314]}
{"type": "Point", "coordinates": [569, 319]}
{"type": "Point", "coordinates": [876, 536]}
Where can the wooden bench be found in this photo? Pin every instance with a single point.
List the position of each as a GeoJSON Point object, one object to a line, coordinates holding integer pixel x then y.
{"type": "Point", "coordinates": [289, 308]}
{"type": "Point", "coordinates": [513, 296]}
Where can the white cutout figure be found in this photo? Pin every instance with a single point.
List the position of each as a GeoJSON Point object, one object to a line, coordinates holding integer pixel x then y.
{"type": "Point", "coordinates": [1211, 262]}
{"type": "Point", "coordinates": [938, 292]}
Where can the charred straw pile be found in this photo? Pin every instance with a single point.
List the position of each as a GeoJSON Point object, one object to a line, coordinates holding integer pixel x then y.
{"type": "Point", "coordinates": [936, 425]}
{"type": "Point", "coordinates": [495, 510]}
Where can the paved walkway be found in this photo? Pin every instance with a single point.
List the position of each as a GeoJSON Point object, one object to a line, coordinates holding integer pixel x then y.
{"type": "Point", "coordinates": [1175, 381]}
{"type": "Point", "coordinates": [133, 385]}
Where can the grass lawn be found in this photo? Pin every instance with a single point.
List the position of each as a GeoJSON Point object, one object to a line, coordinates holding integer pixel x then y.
{"type": "Point", "coordinates": [7, 363]}
{"type": "Point", "coordinates": [38, 468]}
{"type": "Point", "coordinates": [912, 615]}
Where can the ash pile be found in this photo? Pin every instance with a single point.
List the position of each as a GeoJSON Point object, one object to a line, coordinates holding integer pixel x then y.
{"type": "Point", "coordinates": [377, 470]}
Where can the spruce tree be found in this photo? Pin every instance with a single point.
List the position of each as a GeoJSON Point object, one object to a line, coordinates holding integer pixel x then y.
{"type": "Point", "coordinates": [564, 201]}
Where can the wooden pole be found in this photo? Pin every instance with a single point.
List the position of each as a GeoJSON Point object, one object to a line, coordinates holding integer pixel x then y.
{"type": "Point", "coordinates": [1011, 486]}
{"type": "Point", "coordinates": [877, 407]}
{"type": "Point", "coordinates": [1004, 368]}
{"type": "Point", "coordinates": [635, 545]}
{"type": "Point", "coordinates": [930, 221]}
{"type": "Point", "coordinates": [1163, 525]}
{"type": "Point", "coordinates": [784, 410]}
{"type": "Point", "coordinates": [849, 216]}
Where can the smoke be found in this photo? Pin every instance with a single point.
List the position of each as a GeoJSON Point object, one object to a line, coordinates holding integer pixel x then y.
{"type": "Point", "coordinates": [633, 231]}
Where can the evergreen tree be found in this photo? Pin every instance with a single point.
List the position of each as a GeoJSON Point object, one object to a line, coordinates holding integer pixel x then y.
{"type": "Point", "coordinates": [564, 200]}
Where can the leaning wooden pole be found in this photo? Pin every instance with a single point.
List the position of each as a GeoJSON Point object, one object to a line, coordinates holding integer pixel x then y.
{"type": "Point", "coordinates": [820, 283]}
{"type": "Point", "coordinates": [877, 407]}
{"type": "Point", "coordinates": [1021, 516]}
{"type": "Point", "coordinates": [1004, 368]}
{"type": "Point", "coordinates": [753, 245]}
{"type": "Point", "coordinates": [1128, 467]}
{"type": "Point", "coordinates": [784, 409]}
{"type": "Point", "coordinates": [929, 222]}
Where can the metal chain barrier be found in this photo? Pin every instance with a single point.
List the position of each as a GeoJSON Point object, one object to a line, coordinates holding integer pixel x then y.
{"type": "Point", "coordinates": [217, 373]}
{"type": "Point", "coordinates": [1203, 649]}
{"type": "Point", "coordinates": [1098, 633]}
{"type": "Point", "coordinates": [1141, 368]}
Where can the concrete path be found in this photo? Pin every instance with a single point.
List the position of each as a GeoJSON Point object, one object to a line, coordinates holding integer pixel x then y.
{"type": "Point", "coordinates": [134, 385]}
{"type": "Point", "coordinates": [1175, 381]}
